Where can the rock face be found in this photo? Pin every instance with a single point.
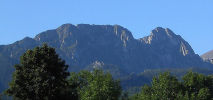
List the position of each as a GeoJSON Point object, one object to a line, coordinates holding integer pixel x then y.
{"type": "Point", "coordinates": [169, 40]}
{"type": "Point", "coordinates": [208, 56]}
{"type": "Point", "coordinates": [83, 45]}
{"type": "Point", "coordinates": [170, 50]}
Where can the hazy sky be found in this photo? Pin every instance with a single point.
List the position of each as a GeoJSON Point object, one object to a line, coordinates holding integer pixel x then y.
{"type": "Point", "coordinates": [192, 19]}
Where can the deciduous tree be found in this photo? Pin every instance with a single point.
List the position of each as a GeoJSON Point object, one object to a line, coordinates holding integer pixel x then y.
{"type": "Point", "coordinates": [41, 75]}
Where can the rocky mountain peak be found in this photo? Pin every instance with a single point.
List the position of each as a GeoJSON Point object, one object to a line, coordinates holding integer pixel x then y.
{"type": "Point", "coordinates": [97, 65]}
{"type": "Point", "coordinates": [65, 28]}
{"type": "Point", "coordinates": [88, 28]}
{"type": "Point", "coordinates": [163, 39]}
{"type": "Point", "coordinates": [67, 34]}
{"type": "Point", "coordinates": [162, 33]}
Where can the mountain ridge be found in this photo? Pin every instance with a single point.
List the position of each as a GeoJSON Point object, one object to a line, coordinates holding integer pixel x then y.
{"type": "Point", "coordinates": [83, 44]}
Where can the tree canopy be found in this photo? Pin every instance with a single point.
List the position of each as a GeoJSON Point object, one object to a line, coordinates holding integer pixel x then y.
{"type": "Point", "coordinates": [41, 75]}
{"type": "Point", "coordinates": [96, 85]}
{"type": "Point", "coordinates": [193, 86]}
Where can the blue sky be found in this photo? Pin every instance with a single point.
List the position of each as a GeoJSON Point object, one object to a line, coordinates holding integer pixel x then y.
{"type": "Point", "coordinates": [192, 19]}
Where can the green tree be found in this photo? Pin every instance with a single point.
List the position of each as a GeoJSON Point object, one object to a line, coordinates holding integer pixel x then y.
{"type": "Point", "coordinates": [96, 85]}
{"type": "Point", "coordinates": [41, 75]}
{"type": "Point", "coordinates": [146, 94]}
{"type": "Point", "coordinates": [163, 87]}
{"type": "Point", "coordinates": [198, 86]}
{"type": "Point", "coordinates": [193, 86]}
{"type": "Point", "coordinates": [203, 94]}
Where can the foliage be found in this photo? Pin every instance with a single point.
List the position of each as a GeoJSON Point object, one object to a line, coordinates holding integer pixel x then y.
{"type": "Point", "coordinates": [132, 82]}
{"type": "Point", "coordinates": [41, 75]}
{"type": "Point", "coordinates": [193, 86]}
{"type": "Point", "coordinates": [96, 85]}
{"type": "Point", "coordinates": [199, 85]}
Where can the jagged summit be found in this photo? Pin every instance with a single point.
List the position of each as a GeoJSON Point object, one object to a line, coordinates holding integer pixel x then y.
{"type": "Point", "coordinates": [66, 28]}
{"type": "Point", "coordinates": [68, 33]}
{"type": "Point", "coordinates": [164, 39]}
{"type": "Point", "coordinates": [159, 31]}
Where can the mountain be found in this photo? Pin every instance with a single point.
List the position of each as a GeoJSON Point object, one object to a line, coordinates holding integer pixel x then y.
{"type": "Point", "coordinates": [208, 56]}
{"type": "Point", "coordinates": [112, 46]}
{"type": "Point", "coordinates": [171, 50]}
